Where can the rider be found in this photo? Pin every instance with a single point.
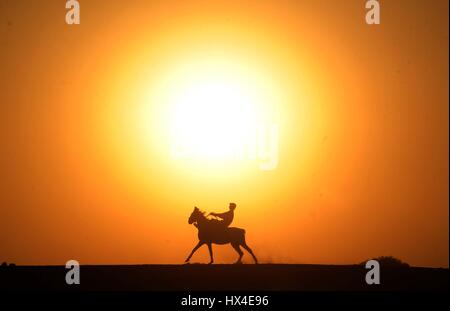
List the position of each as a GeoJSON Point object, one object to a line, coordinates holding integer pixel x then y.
{"type": "Point", "coordinates": [227, 217]}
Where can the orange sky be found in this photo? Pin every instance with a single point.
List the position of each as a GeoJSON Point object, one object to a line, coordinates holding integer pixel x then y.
{"type": "Point", "coordinates": [362, 114]}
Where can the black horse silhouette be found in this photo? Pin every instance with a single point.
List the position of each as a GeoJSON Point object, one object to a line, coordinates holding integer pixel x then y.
{"type": "Point", "coordinates": [212, 231]}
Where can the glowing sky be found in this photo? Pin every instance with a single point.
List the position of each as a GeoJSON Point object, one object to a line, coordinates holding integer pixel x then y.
{"type": "Point", "coordinates": [90, 115]}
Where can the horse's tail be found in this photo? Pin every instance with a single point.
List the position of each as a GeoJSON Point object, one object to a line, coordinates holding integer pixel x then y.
{"type": "Point", "coordinates": [237, 234]}
{"type": "Point", "coordinates": [243, 236]}
{"type": "Point", "coordinates": [240, 230]}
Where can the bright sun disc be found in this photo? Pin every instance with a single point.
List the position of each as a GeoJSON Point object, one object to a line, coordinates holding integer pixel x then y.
{"type": "Point", "coordinates": [212, 119]}
{"type": "Point", "coordinates": [215, 113]}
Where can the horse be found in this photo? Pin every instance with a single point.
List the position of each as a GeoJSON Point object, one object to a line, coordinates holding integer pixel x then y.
{"type": "Point", "coordinates": [212, 231]}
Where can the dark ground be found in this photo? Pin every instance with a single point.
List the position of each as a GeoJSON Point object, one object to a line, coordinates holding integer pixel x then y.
{"type": "Point", "coordinates": [198, 277]}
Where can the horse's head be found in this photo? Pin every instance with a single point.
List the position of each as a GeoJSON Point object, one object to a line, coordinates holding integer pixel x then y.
{"type": "Point", "coordinates": [194, 216]}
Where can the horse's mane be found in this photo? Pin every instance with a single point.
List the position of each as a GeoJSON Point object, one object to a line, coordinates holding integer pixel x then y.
{"type": "Point", "coordinates": [202, 213]}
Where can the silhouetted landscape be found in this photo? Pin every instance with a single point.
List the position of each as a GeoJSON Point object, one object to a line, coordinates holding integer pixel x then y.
{"type": "Point", "coordinates": [201, 277]}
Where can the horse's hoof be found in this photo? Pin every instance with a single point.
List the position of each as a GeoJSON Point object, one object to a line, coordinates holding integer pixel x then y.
{"type": "Point", "coordinates": [238, 262]}
{"type": "Point", "coordinates": [210, 263]}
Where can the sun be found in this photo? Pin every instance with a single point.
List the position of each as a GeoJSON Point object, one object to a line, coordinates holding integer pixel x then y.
{"type": "Point", "coordinates": [215, 112]}
{"type": "Point", "coordinates": [210, 114]}
{"type": "Point", "coordinates": [212, 118]}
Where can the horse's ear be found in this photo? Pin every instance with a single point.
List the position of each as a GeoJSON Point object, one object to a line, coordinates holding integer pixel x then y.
{"type": "Point", "coordinates": [195, 208]}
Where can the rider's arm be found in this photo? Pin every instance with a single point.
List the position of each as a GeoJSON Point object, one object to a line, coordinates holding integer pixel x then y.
{"type": "Point", "coordinates": [221, 215]}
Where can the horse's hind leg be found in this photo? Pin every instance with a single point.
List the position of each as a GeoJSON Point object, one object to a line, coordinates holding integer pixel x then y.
{"type": "Point", "coordinates": [250, 251]}
{"type": "Point", "coordinates": [210, 253]}
{"type": "Point", "coordinates": [238, 250]}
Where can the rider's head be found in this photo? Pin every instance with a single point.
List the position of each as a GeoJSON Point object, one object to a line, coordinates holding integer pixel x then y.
{"type": "Point", "coordinates": [232, 206]}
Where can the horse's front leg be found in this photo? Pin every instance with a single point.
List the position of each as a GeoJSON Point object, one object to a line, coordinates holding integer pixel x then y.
{"type": "Point", "coordinates": [200, 243]}
{"type": "Point", "coordinates": [210, 253]}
